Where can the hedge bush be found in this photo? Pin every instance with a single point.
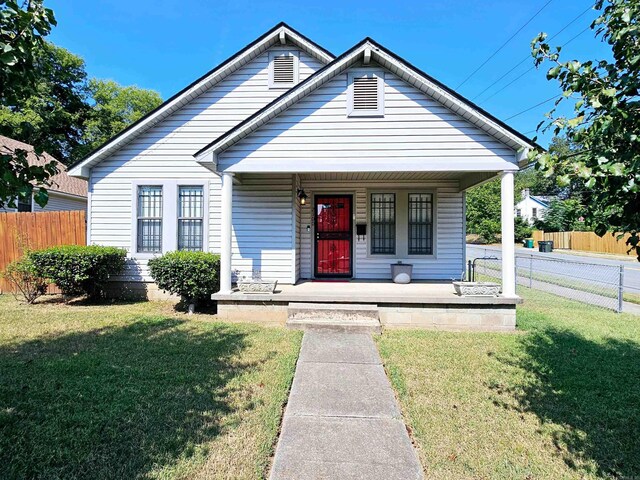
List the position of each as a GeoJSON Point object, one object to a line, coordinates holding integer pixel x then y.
{"type": "Point", "coordinates": [79, 270]}
{"type": "Point", "coordinates": [25, 280]}
{"type": "Point", "coordinates": [192, 275]}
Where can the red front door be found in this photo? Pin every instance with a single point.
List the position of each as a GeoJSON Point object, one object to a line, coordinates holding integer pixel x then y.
{"type": "Point", "coordinates": [333, 235]}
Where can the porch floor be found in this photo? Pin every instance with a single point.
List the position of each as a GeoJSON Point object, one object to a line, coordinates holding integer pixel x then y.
{"type": "Point", "coordinates": [366, 291]}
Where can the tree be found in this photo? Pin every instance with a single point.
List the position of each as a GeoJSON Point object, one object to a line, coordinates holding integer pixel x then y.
{"type": "Point", "coordinates": [563, 216]}
{"type": "Point", "coordinates": [605, 121]}
{"type": "Point", "coordinates": [115, 108]}
{"type": "Point", "coordinates": [22, 28]}
{"type": "Point", "coordinates": [484, 208]}
{"type": "Point", "coordinates": [53, 113]}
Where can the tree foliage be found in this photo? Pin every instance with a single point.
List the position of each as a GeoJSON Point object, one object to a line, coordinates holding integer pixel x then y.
{"type": "Point", "coordinates": [563, 216]}
{"type": "Point", "coordinates": [53, 112]}
{"type": "Point", "coordinates": [114, 108]}
{"type": "Point", "coordinates": [604, 122]}
{"type": "Point", "coordinates": [22, 28]}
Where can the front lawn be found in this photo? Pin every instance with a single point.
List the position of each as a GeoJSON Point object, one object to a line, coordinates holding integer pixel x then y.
{"type": "Point", "coordinates": [138, 391]}
{"type": "Point", "coordinates": [560, 399]}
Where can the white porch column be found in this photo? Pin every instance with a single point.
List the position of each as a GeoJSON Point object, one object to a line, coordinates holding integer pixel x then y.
{"type": "Point", "coordinates": [225, 232]}
{"type": "Point", "coordinates": [508, 244]}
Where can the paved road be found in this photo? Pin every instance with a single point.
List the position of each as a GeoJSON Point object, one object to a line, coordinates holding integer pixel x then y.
{"type": "Point", "coordinates": [588, 279]}
{"type": "Point", "coordinates": [631, 268]}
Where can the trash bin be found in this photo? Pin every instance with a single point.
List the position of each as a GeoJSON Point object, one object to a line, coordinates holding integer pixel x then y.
{"type": "Point", "coordinates": [528, 243]}
{"type": "Point", "coordinates": [545, 246]}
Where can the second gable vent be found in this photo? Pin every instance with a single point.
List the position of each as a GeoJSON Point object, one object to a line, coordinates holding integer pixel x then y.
{"type": "Point", "coordinates": [283, 69]}
{"type": "Point", "coordinates": [365, 93]}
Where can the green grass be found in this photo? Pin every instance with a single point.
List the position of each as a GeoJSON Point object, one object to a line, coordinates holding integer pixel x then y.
{"type": "Point", "coordinates": [138, 391]}
{"type": "Point", "coordinates": [560, 399]}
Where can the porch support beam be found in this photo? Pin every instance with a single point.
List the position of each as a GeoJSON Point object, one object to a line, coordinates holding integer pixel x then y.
{"type": "Point", "coordinates": [225, 232]}
{"type": "Point", "coordinates": [508, 245]}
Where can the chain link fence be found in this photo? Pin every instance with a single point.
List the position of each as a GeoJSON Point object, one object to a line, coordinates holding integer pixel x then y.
{"type": "Point", "coordinates": [596, 284]}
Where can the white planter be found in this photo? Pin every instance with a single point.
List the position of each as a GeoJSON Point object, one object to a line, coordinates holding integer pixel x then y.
{"type": "Point", "coordinates": [258, 286]}
{"type": "Point", "coordinates": [401, 272]}
{"type": "Point", "coordinates": [469, 289]}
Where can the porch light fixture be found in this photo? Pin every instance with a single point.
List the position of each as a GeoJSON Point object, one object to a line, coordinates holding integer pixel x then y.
{"type": "Point", "coordinates": [302, 196]}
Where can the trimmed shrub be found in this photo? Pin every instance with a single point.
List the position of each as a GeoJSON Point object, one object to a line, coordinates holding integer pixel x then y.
{"type": "Point", "coordinates": [192, 275]}
{"type": "Point", "coordinates": [79, 270]}
{"type": "Point", "coordinates": [23, 276]}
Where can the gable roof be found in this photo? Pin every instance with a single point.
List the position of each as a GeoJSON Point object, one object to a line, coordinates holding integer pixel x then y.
{"type": "Point", "coordinates": [414, 76]}
{"type": "Point", "coordinates": [230, 65]}
{"type": "Point", "coordinates": [540, 200]}
{"type": "Point", "coordinates": [61, 182]}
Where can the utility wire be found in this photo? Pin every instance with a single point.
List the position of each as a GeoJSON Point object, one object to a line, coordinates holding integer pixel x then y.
{"type": "Point", "coordinates": [503, 45]}
{"type": "Point", "coordinates": [528, 57]}
{"type": "Point", "coordinates": [519, 77]}
{"type": "Point", "coordinates": [531, 108]}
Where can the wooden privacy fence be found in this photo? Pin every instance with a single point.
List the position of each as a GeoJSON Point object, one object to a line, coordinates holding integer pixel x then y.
{"type": "Point", "coordinates": [35, 231]}
{"type": "Point", "coordinates": [584, 241]}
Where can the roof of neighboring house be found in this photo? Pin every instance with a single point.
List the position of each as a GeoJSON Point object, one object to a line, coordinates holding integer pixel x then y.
{"type": "Point", "coordinates": [276, 35]}
{"type": "Point", "coordinates": [440, 92]}
{"type": "Point", "coordinates": [60, 182]}
{"type": "Point", "coordinates": [540, 200]}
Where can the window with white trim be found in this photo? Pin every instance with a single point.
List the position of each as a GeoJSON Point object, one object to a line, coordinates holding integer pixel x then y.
{"type": "Point", "coordinates": [383, 223]}
{"type": "Point", "coordinates": [283, 69]}
{"type": "Point", "coordinates": [365, 94]}
{"type": "Point", "coordinates": [190, 217]}
{"type": "Point", "coordinates": [149, 237]}
{"type": "Point", "coordinates": [420, 224]}
{"type": "Point", "coordinates": [534, 212]}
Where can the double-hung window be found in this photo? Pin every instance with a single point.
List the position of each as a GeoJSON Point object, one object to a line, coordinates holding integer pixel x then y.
{"type": "Point", "coordinates": [149, 238]}
{"type": "Point", "coordinates": [420, 232]}
{"type": "Point", "coordinates": [190, 217]}
{"type": "Point", "coordinates": [383, 223]}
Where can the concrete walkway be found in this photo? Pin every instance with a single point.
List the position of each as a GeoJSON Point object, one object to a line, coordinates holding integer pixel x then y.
{"type": "Point", "coordinates": [342, 420]}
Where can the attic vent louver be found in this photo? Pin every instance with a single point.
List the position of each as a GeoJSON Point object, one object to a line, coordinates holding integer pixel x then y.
{"type": "Point", "coordinates": [283, 70]}
{"type": "Point", "coordinates": [365, 93]}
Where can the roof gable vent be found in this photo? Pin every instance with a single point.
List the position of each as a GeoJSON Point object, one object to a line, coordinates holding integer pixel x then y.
{"type": "Point", "coordinates": [366, 94]}
{"type": "Point", "coordinates": [283, 70]}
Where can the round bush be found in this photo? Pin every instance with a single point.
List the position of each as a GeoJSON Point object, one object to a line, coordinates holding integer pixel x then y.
{"type": "Point", "coordinates": [192, 275]}
{"type": "Point", "coordinates": [79, 269]}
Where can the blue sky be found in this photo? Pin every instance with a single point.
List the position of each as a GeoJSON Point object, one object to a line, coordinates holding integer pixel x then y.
{"type": "Point", "coordinates": [164, 45]}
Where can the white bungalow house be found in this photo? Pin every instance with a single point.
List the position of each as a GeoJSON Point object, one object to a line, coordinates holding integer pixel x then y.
{"type": "Point", "coordinates": [531, 207]}
{"type": "Point", "coordinates": [312, 169]}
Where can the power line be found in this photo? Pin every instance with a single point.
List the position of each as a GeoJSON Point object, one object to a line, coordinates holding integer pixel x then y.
{"type": "Point", "coordinates": [531, 108]}
{"type": "Point", "coordinates": [529, 69]}
{"type": "Point", "coordinates": [528, 57]}
{"type": "Point", "coordinates": [503, 45]}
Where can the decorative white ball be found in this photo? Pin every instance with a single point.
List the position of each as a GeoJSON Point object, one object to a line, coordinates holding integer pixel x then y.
{"type": "Point", "coordinates": [402, 278]}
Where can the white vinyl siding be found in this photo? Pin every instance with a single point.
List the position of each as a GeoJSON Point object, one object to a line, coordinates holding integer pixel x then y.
{"type": "Point", "coordinates": [263, 227]}
{"type": "Point", "coordinates": [59, 203]}
{"type": "Point", "coordinates": [165, 152]}
{"type": "Point", "coordinates": [315, 135]}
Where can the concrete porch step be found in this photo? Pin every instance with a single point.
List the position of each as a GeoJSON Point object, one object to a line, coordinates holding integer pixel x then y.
{"type": "Point", "coordinates": [344, 317]}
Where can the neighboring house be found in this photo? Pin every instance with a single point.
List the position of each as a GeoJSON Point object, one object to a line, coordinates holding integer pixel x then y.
{"type": "Point", "coordinates": [302, 165]}
{"type": "Point", "coordinates": [65, 192]}
{"type": "Point", "coordinates": [531, 207]}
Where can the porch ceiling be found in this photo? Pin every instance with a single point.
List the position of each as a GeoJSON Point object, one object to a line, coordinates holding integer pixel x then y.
{"type": "Point", "coordinates": [380, 176]}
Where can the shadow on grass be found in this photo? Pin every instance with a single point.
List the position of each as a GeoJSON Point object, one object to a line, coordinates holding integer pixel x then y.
{"type": "Point", "coordinates": [114, 402]}
{"type": "Point", "coordinates": [591, 392]}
